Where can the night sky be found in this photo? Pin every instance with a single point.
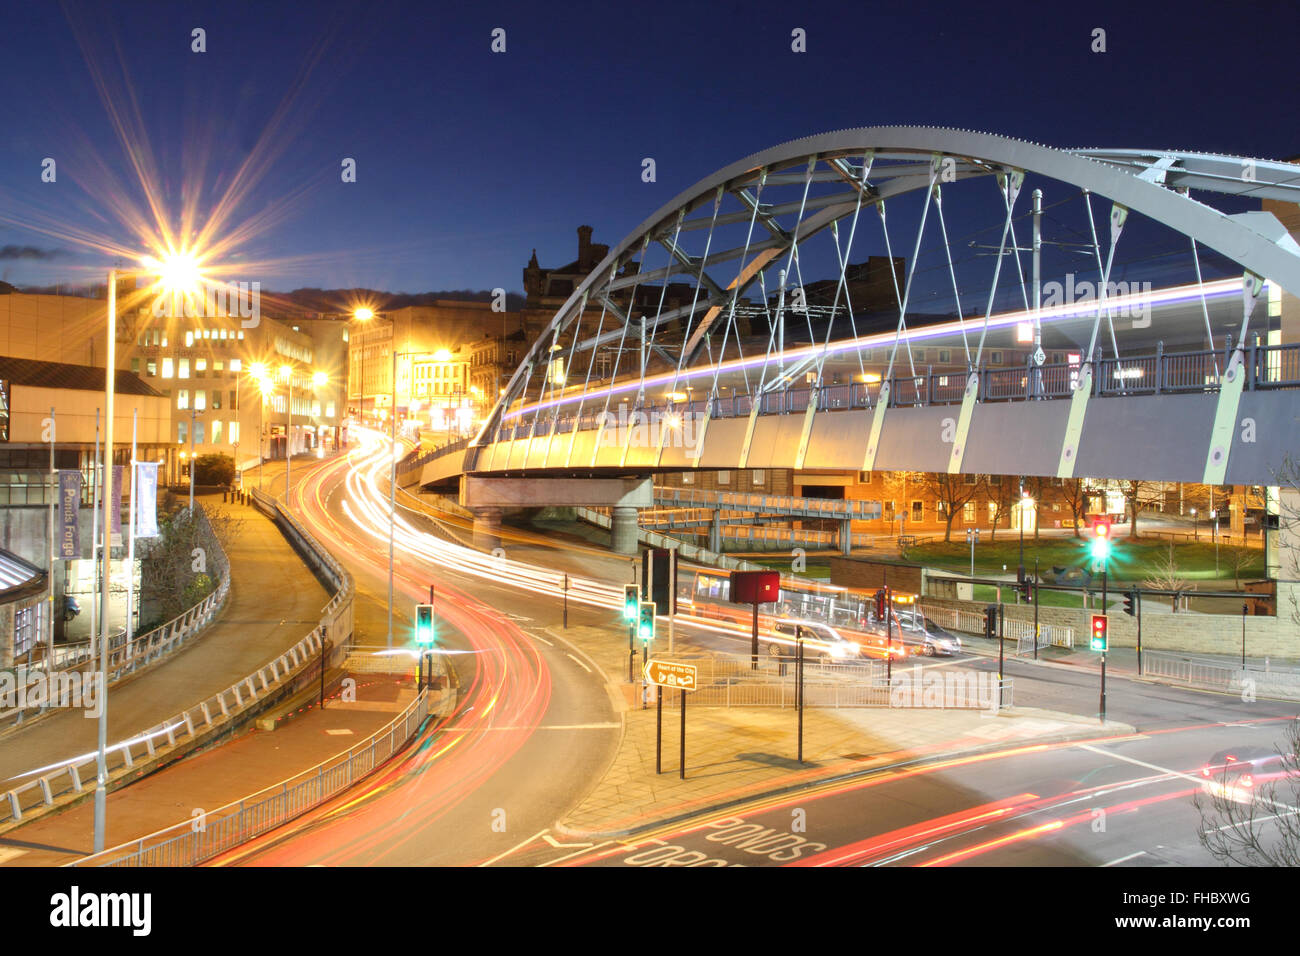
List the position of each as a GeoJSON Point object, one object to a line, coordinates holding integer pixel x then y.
{"type": "Point", "coordinates": [467, 160]}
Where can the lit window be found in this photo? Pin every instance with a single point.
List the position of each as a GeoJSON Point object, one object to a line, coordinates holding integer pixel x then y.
{"type": "Point", "coordinates": [183, 369]}
{"type": "Point", "coordinates": [182, 432]}
{"type": "Point", "coordinates": [151, 368]}
{"type": "Point", "coordinates": [241, 336]}
{"type": "Point", "coordinates": [236, 365]}
{"type": "Point", "coordinates": [759, 477]}
{"type": "Point", "coordinates": [189, 338]}
{"type": "Point", "coordinates": [167, 368]}
{"type": "Point", "coordinates": [198, 433]}
{"type": "Point", "coordinates": [183, 398]}
{"type": "Point", "coordinates": [329, 410]}
{"type": "Point", "coordinates": [200, 365]}
{"type": "Point", "coordinates": [234, 432]}
{"type": "Point", "coordinates": [216, 431]}
{"type": "Point", "coordinates": [218, 365]}
{"type": "Point", "coordinates": [200, 399]}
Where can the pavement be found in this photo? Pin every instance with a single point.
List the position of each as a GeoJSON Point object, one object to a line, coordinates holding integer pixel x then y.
{"type": "Point", "coordinates": [274, 600]}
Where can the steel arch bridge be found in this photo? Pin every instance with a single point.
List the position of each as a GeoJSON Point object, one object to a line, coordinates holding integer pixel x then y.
{"type": "Point", "coordinates": [706, 339]}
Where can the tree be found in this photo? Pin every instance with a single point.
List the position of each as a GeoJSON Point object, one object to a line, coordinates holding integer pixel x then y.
{"type": "Point", "coordinates": [183, 564]}
{"type": "Point", "coordinates": [952, 492]}
{"type": "Point", "coordinates": [1139, 495]}
{"type": "Point", "coordinates": [214, 469]}
{"type": "Point", "coordinates": [1041, 490]}
{"type": "Point", "coordinates": [1166, 576]}
{"type": "Point", "coordinates": [1239, 558]}
{"type": "Point", "coordinates": [1262, 830]}
{"type": "Point", "coordinates": [1074, 493]}
{"type": "Point", "coordinates": [1003, 495]}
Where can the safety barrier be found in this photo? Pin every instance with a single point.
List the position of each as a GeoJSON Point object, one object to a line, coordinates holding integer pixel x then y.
{"type": "Point", "coordinates": [222, 711]}
{"type": "Point", "coordinates": [221, 830]}
{"type": "Point", "coordinates": [1223, 675]}
{"type": "Point", "coordinates": [126, 657]}
{"type": "Point", "coordinates": [685, 551]}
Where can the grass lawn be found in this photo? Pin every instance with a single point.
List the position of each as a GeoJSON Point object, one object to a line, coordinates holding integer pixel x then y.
{"type": "Point", "coordinates": [1130, 559]}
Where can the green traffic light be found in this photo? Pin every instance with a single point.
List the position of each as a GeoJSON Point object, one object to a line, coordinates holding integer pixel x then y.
{"type": "Point", "coordinates": [631, 603]}
{"type": "Point", "coordinates": [1101, 548]}
{"type": "Point", "coordinates": [424, 630]}
{"type": "Point", "coordinates": [646, 625]}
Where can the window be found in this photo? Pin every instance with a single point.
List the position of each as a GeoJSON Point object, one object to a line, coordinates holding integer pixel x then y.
{"type": "Point", "coordinates": [888, 512]}
{"type": "Point", "coordinates": [918, 511]}
{"type": "Point", "coordinates": [200, 400]}
{"type": "Point", "coordinates": [235, 365]}
{"type": "Point", "coordinates": [995, 481]}
{"type": "Point", "coordinates": [968, 512]}
{"type": "Point", "coordinates": [167, 371]}
{"type": "Point", "coordinates": [200, 365]}
{"type": "Point", "coordinates": [234, 432]}
{"type": "Point", "coordinates": [995, 358]}
{"type": "Point", "coordinates": [216, 431]}
{"type": "Point", "coordinates": [189, 338]}
{"type": "Point", "coordinates": [864, 477]}
{"type": "Point", "coordinates": [198, 432]}
{"type": "Point", "coordinates": [151, 368]}
{"type": "Point", "coordinates": [688, 477]}
{"type": "Point", "coordinates": [183, 398]}
{"type": "Point", "coordinates": [759, 478]}
{"type": "Point", "coordinates": [993, 511]}
{"type": "Point", "coordinates": [182, 432]}
{"type": "Point", "coordinates": [329, 410]}
{"type": "Point", "coordinates": [27, 628]}
{"type": "Point", "coordinates": [184, 370]}
{"type": "Point", "coordinates": [234, 399]}
{"type": "Point", "coordinates": [218, 365]}
{"type": "Point", "coordinates": [216, 398]}
{"type": "Point", "coordinates": [135, 366]}
{"type": "Point", "coordinates": [945, 356]}
{"type": "Point", "coordinates": [971, 479]}
{"type": "Point", "coordinates": [918, 354]}
{"type": "Point", "coordinates": [724, 477]}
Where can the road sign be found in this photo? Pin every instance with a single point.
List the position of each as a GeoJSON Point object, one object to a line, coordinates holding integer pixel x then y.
{"type": "Point", "coordinates": [670, 674]}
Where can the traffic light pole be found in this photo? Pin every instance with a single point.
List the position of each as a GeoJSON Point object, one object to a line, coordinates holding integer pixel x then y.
{"type": "Point", "coordinates": [1105, 609]}
{"type": "Point", "coordinates": [1035, 608]}
{"type": "Point", "coordinates": [681, 758]}
{"type": "Point", "coordinates": [889, 639]}
{"type": "Point", "coordinates": [753, 646]}
{"type": "Point", "coordinates": [1001, 630]}
{"type": "Point", "coordinates": [1137, 602]}
{"type": "Point", "coordinates": [798, 667]}
{"type": "Point", "coordinates": [659, 729]}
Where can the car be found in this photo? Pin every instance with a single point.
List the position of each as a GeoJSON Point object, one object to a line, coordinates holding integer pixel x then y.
{"type": "Point", "coordinates": [821, 641]}
{"type": "Point", "coordinates": [927, 637]}
{"type": "Point", "coordinates": [1236, 774]}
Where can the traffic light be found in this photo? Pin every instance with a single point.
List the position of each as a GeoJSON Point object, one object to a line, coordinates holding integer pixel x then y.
{"type": "Point", "coordinates": [1098, 633]}
{"type": "Point", "coordinates": [1130, 602]}
{"type": "Point", "coordinates": [991, 621]}
{"type": "Point", "coordinates": [424, 625]}
{"type": "Point", "coordinates": [631, 602]}
{"type": "Point", "coordinates": [880, 604]}
{"type": "Point", "coordinates": [1026, 589]}
{"type": "Point", "coordinates": [645, 628]}
{"type": "Point", "coordinates": [1101, 541]}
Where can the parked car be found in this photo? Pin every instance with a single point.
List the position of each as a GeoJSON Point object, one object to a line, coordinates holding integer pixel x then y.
{"type": "Point", "coordinates": [1236, 774]}
{"type": "Point", "coordinates": [921, 635]}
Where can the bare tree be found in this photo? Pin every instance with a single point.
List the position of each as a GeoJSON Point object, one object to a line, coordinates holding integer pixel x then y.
{"type": "Point", "coordinates": [1074, 494]}
{"type": "Point", "coordinates": [1042, 490]}
{"type": "Point", "coordinates": [1254, 825]}
{"type": "Point", "coordinates": [1140, 495]}
{"type": "Point", "coordinates": [952, 492]}
{"type": "Point", "coordinates": [1167, 576]}
{"type": "Point", "coordinates": [1003, 497]}
{"type": "Point", "coordinates": [1239, 557]}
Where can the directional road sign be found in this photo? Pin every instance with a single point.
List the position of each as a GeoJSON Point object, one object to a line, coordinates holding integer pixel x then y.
{"type": "Point", "coordinates": [670, 674]}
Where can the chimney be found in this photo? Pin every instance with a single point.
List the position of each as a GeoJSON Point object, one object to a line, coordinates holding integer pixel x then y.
{"type": "Point", "coordinates": [585, 262]}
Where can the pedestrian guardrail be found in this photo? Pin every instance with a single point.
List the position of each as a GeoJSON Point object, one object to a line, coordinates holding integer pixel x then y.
{"type": "Point", "coordinates": [1259, 680]}
{"type": "Point", "coordinates": [685, 551]}
{"type": "Point", "coordinates": [909, 687]}
{"type": "Point", "coordinates": [248, 696]}
{"type": "Point", "coordinates": [124, 657]}
{"type": "Point", "coordinates": [223, 829]}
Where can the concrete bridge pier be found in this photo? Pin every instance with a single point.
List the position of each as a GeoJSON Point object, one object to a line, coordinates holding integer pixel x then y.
{"type": "Point", "coordinates": [846, 537]}
{"type": "Point", "coordinates": [715, 532]}
{"type": "Point", "coordinates": [625, 497]}
{"type": "Point", "coordinates": [487, 528]}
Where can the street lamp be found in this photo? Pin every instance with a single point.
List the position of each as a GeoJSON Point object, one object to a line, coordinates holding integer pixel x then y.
{"type": "Point", "coordinates": [972, 538]}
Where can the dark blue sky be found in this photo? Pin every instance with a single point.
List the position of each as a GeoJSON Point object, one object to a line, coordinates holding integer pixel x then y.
{"type": "Point", "coordinates": [466, 159]}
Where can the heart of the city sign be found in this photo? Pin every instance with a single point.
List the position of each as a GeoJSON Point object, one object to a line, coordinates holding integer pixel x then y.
{"type": "Point", "coordinates": [670, 674]}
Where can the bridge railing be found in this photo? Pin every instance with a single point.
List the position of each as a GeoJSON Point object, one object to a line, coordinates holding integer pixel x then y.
{"type": "Point", "coordinates": [1266, 367]}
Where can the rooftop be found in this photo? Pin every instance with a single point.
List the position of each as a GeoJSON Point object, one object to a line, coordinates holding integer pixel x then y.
{"type": "Point", "coordinates": [87, 378]}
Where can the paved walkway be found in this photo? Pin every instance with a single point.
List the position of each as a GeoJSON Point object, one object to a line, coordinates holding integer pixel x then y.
{"type": "Point", "coordinates": [274, 601]}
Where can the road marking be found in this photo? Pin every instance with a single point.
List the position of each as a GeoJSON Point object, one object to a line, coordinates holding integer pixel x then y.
{"type": "Point", "coordinates": [1125, 859]}
{"type": "Point", "coordinates": [570, 856]}
{"type": "Point", "coordinates": [339, 732]}
{"type": "Point", "coordinates": [578, 662]}
{"type": "Point", "coordinates": [1142, 763]}
{"type": "Point", "coordinates": [605, 726]}
{"type": "Point", "coordinates": [563, 846]}
{"type": "Point", "coordinates": [517, 846]}
{"type": "Point", "coordinates": [542, 639]}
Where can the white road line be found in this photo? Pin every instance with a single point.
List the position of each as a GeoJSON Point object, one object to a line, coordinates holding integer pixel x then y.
{"type": "Point", "coordinates": [517, 846]}
{"type": "Point", "coordinates": [578, 662]}
{"type": "Point", "coordinates": [570, 856]}
{"type": "Point", "coordinates": [542, 639]}
{"type": "Point", "coordinates": [1142, 763]}
{"type": "Point", "coordinates": [1125, 859]}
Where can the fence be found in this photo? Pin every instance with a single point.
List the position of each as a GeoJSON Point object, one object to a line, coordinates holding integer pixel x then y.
{"type": "Point", "coordinates": [685, 551]}
{"type": "Point", "coordinates": [1222, 675]}
{"type": "Point", "coordinates": [237, 823]}
{"type": "Point", "coordinates": [126, 657]}
{"type": "Point", "coordinates": [272, 681]}
{"type": "Point", "coordinates": [972, 622]}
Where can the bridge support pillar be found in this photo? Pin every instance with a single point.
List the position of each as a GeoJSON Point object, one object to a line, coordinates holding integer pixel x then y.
{"type": "Point", "coordinates": [715, 532]}
{"type": "Point", "coordinates": [846, 537]}
{"type": "Point", "coordinates": [623, 529]}
{"type": "Point", "coordinates": [487, 528]}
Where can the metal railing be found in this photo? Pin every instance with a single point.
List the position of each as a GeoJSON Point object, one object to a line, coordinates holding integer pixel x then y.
{"type": "Point", "coordinates": [1262, 680]}
{"type": "Point", "coordinates": [835, 508]}
{"type": "Point", "coordinates": [127, 657]}
{"type": "Point", "coordinates": [972, 622]}
{"type": "Point", "coordinates": [221, 830]}
{"type": "Point", "coordinates": [1266, 367]}
{"type": "Point", "coordinates": [242, 699]}
{"type": "Point", "coordinates": [685, 550]}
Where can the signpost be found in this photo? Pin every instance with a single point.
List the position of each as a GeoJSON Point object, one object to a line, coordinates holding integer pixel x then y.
{"type": "Point", "coordinates": [670, 674]}
{"type": "Point", "coordinates": [754, 587]}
